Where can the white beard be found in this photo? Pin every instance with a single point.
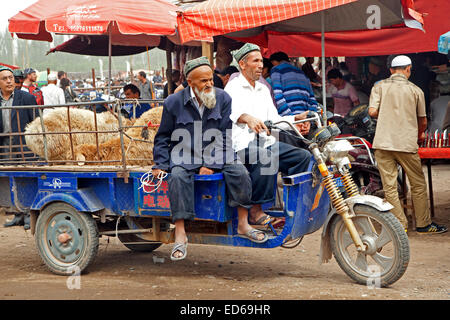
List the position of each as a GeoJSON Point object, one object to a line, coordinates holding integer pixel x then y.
{"type": "Point", "coordinates": [208, 98]}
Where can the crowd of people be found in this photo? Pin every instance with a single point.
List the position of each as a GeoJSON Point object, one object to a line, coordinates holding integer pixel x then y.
{"type": "Point", "coordinates": [241, 98]}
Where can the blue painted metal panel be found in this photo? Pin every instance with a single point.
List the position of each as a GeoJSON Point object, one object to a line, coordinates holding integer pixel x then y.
{"type": "Point", "coordinates": [210, 198]}
{"type": "Point", "coordinates": [299, 199]}
{"type": "Point", "coordinates": [82, 199]}
{"type": "Point", "coordinates": [23, 192]}
{"type": "Point", "coordinates": [57, 183]}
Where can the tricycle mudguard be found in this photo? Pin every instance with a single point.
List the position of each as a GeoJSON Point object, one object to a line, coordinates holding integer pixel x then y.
{"type": "Point", "coordinates": [368, 200]}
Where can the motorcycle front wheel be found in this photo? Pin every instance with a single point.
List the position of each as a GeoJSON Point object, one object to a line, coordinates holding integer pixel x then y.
{"type": "Point", "coordinates": [387, 247]}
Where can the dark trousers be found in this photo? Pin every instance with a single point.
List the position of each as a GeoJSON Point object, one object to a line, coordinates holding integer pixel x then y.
{"type": "Point", "coordinates": [181, 189]}
{"type": "Point", "coordinates": [264, 165]}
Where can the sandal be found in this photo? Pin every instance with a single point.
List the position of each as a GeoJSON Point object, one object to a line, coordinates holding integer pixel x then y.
{"type": "Point", "coordinates": [252, 235]}
{"type": "Point", "coordinates": [263, 221]}
{"type": "Point", "coordinates": [182, 247]}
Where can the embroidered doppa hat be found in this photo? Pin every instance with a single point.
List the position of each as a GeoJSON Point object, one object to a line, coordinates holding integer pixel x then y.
{"type": "Point", "coordinates": [3, 68]}
{"type": "Point", "coordinates": [400, 61]}
{"type": "Point", "coordinates": [246, 48]}
{"type": "Point", "coordinates": [195, 63]}
{"type": "Point", "coordinates": [18, 73]}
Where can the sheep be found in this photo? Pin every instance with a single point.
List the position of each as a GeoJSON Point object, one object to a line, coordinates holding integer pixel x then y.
{"type": "Point", "coordinates": [56, 120]}
{"type": "Point", "coordinates": [138, 147]}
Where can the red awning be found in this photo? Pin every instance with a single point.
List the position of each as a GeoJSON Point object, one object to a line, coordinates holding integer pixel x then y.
{"type": "Point", "coordinates": [9, 66]}
{"type": "Point", "coordinates": [128, 17]}
{"type": "Point", "coordinates": [247, 18]}
{"type": "Point", "coordinates": [385, 41]}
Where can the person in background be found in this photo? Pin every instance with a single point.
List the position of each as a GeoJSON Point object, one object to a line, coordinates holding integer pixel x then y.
{"type": "Point", "coordinates": [18, 78]}
{"type": "Point", "coordinates": [29, 85]}
{"type": "Point", "coordinates": [399, 107]}
{"type": "Point", "coordinates": [292, 89]}
{"type": "Point", "coordinates": [61, 74]}
{"type": "Point", "coordinates": [145, 86]}
{"type": "Point", "coordinates": [176, 75]}
{"type": "Point", "coordinates": [267, 67]}
{"type": "Point", "coordinates": [344, 94]}
{"type": "Point", "coordinates": [375, 74]}
{"type": "Point", "coordinates": [69, 94]}
{"type": "Point", "coordinates": [133, 110]}
{"type": "Point", "coordinates": [225, 74]}
{"type": "Point", "coordinates": [52, 94]}
{"type": "Point", "coordinates": [308, 69]}
{"type": "Point", "coordinates": [343, 68]}
{"type": "Point", "coordinates": [14, 122]}
{"type": "Point", "coordinates": [158, 80]}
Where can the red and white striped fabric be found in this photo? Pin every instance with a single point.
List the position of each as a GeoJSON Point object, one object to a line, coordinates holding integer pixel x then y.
{"type": "Point", "coordinates": [216, 17]}
{"type": "Point", "coordinates": [127, 17]}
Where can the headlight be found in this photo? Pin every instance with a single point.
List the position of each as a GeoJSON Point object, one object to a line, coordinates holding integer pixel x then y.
{"type": "Point", "coordinates": [337, 152]}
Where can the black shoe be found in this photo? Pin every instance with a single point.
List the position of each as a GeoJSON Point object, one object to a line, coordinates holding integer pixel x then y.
{"type": "Point", "coordinates": [26, 221]}
{"type": "Point", "coordinates": [16, 221]}
{"type": "Point", "coordinates": [432, 228]}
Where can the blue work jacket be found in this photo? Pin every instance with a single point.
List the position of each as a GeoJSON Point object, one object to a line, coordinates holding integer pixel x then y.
{"type": "Point", "coordinates": [186, 139]}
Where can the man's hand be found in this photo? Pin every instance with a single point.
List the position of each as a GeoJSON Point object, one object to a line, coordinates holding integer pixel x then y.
{"type": "Point", "coordinates": [421, 138]}
{"type": "Point", "coordinates": [157, 172]}
{"type": "Point", "coordinates": [253, 123]}
{"type": "Point", "coordinates": [301, 116]}
{"type": "Point", "coordinates": [205, 170]}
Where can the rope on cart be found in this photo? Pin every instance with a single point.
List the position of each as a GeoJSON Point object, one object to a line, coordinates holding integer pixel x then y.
{"type": "Point", "coordinates": [148, 180]}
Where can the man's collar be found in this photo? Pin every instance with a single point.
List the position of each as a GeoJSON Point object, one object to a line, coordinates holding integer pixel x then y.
{"type": "Point", "coordinates": [10, 97]}
{"type": "Point", "coordinates": [246, 83]}
{"type": "Point", "coordinates": [193, 97]}
{"type": "Point", "coordinates": [398, 75]}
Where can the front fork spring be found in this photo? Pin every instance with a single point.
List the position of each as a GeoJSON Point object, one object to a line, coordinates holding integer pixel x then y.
{"type": "Point", "coordinates": [343, 210]}
{"type": "Point", "coordinates": [350, 185]}
{"type": "Point", "coordinates": [335, 195]}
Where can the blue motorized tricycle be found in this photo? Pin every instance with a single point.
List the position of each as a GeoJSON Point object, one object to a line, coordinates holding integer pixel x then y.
{"type": "Point", "coordinates": [71, 207]}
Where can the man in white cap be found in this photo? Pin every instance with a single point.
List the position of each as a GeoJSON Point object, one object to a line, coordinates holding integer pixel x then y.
{"type": "Point", "coordinates": [52, 93]}
{"type": "Point", "coordinates": [399, 106]}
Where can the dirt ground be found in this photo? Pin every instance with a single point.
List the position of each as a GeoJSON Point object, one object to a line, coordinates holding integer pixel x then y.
{"type": "Point", "coordinates": [222, 273]}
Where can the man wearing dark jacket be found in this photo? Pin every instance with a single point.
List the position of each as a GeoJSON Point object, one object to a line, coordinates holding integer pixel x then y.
{"type": "Point", "coordinates": [12, 121]}
{"type": "Point", "coordinates": [194, 137]}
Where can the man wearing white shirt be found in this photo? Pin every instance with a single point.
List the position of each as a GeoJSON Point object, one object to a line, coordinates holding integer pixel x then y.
{"type": "Point", "coordinates": [252, 104]}
{"type": "Point", "coordinates": [52, 93]}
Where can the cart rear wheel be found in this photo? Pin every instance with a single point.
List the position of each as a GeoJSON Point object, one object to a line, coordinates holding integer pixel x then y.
{"type": "Point", "coordinates": [387, 255]}
{"type": "Point", "coordinates": [67, 240]}
{"type": "Point", "coordinates": [134, 243]}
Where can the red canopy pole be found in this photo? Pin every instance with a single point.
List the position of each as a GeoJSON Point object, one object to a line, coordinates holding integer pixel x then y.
{"type": "Point", "coordinates": [324, 74]}
{"type": "Point", "coordinates": [109, 56]}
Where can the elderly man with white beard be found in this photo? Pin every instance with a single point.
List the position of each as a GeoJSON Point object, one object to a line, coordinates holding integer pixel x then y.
{"type": "Point", "coordinates": [194, 137]}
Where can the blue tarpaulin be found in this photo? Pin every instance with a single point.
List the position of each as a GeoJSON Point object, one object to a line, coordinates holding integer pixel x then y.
{"type": "Point", "coordinates": [443, 43]}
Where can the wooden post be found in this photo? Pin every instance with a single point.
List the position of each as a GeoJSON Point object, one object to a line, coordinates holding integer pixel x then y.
{"type": "Point", "coordinates": [169, 70]}
{"type": "Point", "coordinates": [208, 51]}
{"type": "Point", "coordinates": [93, 77]}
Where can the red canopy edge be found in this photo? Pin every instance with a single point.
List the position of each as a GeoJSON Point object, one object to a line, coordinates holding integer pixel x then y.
{"type": "Point", "coordinates": [9, 65]}
{"type": "Point", "coordinates": [239, 15]}
{"type": "Point", "coordinates": [385, 41]}
{"type": "Point", "coordinates": [95, 17]}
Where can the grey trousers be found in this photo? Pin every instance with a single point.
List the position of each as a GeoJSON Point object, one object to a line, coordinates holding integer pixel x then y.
{"type": "Point", "coordinates": [181, 189]}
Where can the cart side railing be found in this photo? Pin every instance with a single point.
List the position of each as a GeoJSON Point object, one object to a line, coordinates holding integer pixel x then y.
{"type": "Point", "coordinates": [14, 150]}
